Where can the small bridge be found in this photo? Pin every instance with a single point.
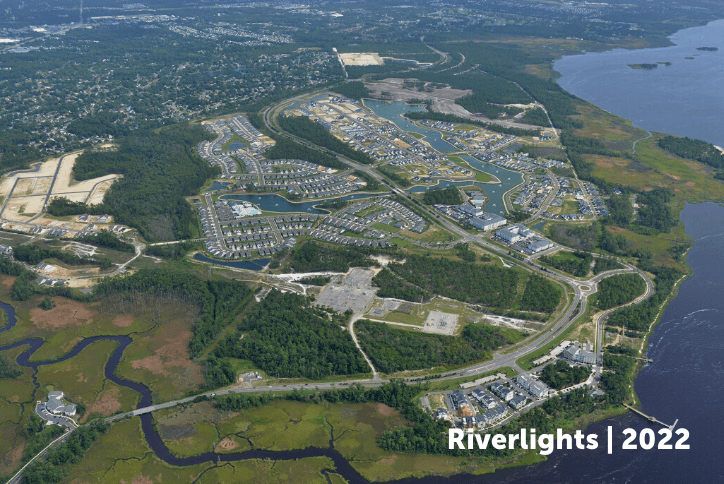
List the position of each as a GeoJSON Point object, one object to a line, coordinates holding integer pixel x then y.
{"type": "Point", "coordinates": [651, 419]}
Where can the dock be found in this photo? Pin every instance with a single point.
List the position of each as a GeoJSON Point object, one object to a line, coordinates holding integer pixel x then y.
{"type": "Point", "coordinates": [651, 419]}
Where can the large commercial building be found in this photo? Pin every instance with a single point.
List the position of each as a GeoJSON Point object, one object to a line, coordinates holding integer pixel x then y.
{"type": "Point", "coordinates": [486, 222]}
{"type": "Point", "coordinates": [514, 233]}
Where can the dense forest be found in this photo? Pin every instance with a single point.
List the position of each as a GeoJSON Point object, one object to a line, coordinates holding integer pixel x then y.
{"type": "Point", "coordinates": [604, 264]}
{"type": "Point", "coordinates": [579, 236]}
{"type": "Point", "coordinates": [540, 295]}
{"type": "Point", "coordinates": [390, 285]}
{"type": "Point", "coordinates": [158, 169]}
{"type": "Point", "coordinates": [34, 254]}
{"type": "Point", "coordinates": [619, 289]}
{"type": "Point", "coordinates": [219, 300]}
{"type": "Point", "coordinates": [694, 149]}
{"type": "Point", "coordinates": [286, 149]}
{"type": "Point", "coordinates": [654, 211]}
{"type": "Point", "coordinates": [314, 257]}
{"type": "Point", "coordinates": [354, 90]}
{"type": "Point", "coordinates": [561, 375]}
{"type": "Point", "coordinates": [575, 263]}
{"type": "Point", "coordinates": [62, 207]}
{"type": "Point", "coordinates": [464, 281]}
{"type": "Point", "coordinates": [394, 176]}
{"type": "Point", "coordinates": [638, 317]}
{"type": "Point", "coordinates": [55, 467]}
{"type": "Point", "coordinates": [315, 133]}
{"type": "Point", "coordinates": [392, 350]}
{"type": "Point", "coordinates": [107, 239]}
{"type": "Point", "coordinates": [286, 336]}
{"type": "Point", "coordinates": [372, 184]}
{"type": "Point", "coordinates": [535, 116]}
{"type": "Point", "coordinates": [442, 196]}
{"type": "Point", "coordinates": [99, 124]}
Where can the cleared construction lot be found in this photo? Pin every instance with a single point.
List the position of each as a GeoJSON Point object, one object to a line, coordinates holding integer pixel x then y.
{"type": "Point", "coordinates": [26, 192]}
{"type": "Point", "coordinates": [355, 292]}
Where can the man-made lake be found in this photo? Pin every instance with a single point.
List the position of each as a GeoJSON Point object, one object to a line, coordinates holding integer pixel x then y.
{"type": "Point", "coordinates": [685, 98]}
{"type": "Point", "coordinates": [494, 191]}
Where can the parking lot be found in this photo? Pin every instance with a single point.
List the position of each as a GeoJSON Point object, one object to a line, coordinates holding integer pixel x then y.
{"type": "Point", "coordinates": [354, 293]}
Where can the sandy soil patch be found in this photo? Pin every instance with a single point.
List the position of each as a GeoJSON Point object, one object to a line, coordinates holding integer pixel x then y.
{"type": "Point", "coordinates": [226, 444]}
{"type": "Point", "coordinates": [140, 480]}
{"type": "Point", "coordinates": [383, 409]}
{"type": "Point", "coordinates": [65, 313]}
{"type": "Point", "coordinates": [361, 59]}
{"type": "Point", "coordinates": [690, 184]}
{"type": "Point", "coordinates": [604, 164]}
{"type": "Point", "coordinates": [173, 354]}
{"type": "Point", "coordinates": [123, 320]}
{"type": "Point", "coordinates": [388, 461]}
{"type": "Point", "coordinates": [8, 281]}
{"type": "Point", "coordinates": [106, 403]}
{"type": "Point", "coordinates": [154, 364]}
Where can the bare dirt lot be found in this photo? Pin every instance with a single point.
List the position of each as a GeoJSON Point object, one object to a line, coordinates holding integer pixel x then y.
{"type": "Point", "coordinates": [443, 100]}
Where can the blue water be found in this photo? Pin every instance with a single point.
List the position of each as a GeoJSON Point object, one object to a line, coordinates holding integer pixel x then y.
{"type": "Point", "coordinates": [394, 111]}
{"type": "Point", "coordinates": [236, 145]}
{"type": "Point", "coordinates": [276, 203]}
{"type": "Point", "coordinates": [252, 265]}
{"type": "Point", "coordinates": [494, 191]}
{"type": "Point", "coordinates": [218, 186]}
{"type": "Point", "coordinates": [685, 98]}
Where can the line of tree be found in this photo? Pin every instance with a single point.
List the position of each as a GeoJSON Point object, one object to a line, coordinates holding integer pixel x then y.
{"type": "Point", "coordinates": [394, 176]}
{"type": "Point", "coordinates": [316, 280]}
{"type": "Point", "coordinates": [317, 134]}
{"type": "Point", "coordinates": [372, 184]}
{"type": "Point", "coordinates": [540, 295]}
{"type": "Point", "coordinates": [173, 251]}
{"type": "Point", "coordinates": [219, 300]}
{"type": "Point", "coordinates": [56, 466]}
{"type": "Point", "coordinates": [287, 149]}
{"type": "Point", "coordinates": [287, 337]}
{"type": "Point", "coordinates": [107, 239]}
{"type": "Point", "coordinates": [464, 281]}
{"type": "Point", "coordinates": [443, 196]}
{"type": "Point", "coordinates": [33, 254]}
{"type": "Point", "coordinates": [392, 350]}
{"type": "Point", "coordinates": [62, 207]}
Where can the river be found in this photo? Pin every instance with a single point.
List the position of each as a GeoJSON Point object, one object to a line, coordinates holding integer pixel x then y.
{"type": "Point", "coordinates": [685, 98]}
{"type": "Point", "coordinates": [684, 382]}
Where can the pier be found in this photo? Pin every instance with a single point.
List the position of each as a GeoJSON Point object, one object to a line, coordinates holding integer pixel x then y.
{"type": "Point", "coordinates": [651, 419]}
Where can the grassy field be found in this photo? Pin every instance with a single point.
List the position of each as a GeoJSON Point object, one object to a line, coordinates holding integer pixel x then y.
{"type": "Point", "coordinates": [235, 137]}
{"type": "Point", "coordinates": [432, 234]}
{"type": "Point", "coordinates": [17, 397]}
